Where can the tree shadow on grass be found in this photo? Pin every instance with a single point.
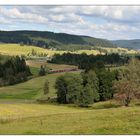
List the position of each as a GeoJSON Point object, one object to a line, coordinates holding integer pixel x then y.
{"type": "Point", "coordinates": [105, 105]}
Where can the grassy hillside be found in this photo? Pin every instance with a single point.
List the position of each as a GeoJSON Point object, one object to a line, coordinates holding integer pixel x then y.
{"type": "Point", "coordinates": [52, 40]}
{"type": "Point", "coordinates": [16, 49]}
{"type": "Point", "coordinates": [22, 118]}
{"type": "Point", "coordinates": [20, 114]}
{"type": "Point", "coordinates": [132, 44]}
{"type": "Point", "coordinates": [30, 90]}
{"type": "Point", "coordinates": [37, 64]}
{"type": "Point", "coordinates": [121, 50]}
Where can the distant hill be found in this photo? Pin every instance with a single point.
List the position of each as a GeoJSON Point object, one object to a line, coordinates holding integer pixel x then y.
{"type": "Point", "coordinates": [132, 44]}
{"type": "Point", "coordinates": [60, 41]}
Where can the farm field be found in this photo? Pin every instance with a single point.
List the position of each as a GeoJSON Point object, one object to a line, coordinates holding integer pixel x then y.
{"type": "Point", "coordinates": [16, 49]}
{"type": "Point", "coordinates": [121, 50]}
{"type": "Point", "coordinates": [19, 118]}
{"type": "Point", "coordinates": [37, 64]}
{"type": "Point", "coordinates": [20, 113]}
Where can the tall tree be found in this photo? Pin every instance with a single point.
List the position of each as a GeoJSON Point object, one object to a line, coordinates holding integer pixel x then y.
{"type": "Point", "coordinates": [90, 78]}
{"type": "Point", "coordinates": [128, 86]}
{"type": "Point", "coordinates": [86, 97]}
{"type": "Point", "coordinates": [68, 87]}
{"type": "Point", "coordinates": [106, 79]}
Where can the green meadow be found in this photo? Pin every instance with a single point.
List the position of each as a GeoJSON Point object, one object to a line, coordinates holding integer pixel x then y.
{"type": "Point", "coordinates": [30, 90]}
{"type": "Point", "coordinates": [19, 118]}
{"type": "Point", "coordinates": [16, 49]}
{"type": "Point", "coordinates": [20, 113]}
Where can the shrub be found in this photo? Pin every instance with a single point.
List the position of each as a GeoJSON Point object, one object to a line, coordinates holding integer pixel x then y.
{"type": "Point", "coordinates": [46, 87]}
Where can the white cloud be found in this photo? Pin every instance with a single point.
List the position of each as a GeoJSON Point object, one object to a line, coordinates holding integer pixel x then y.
{"type": "Point", "coordinates": [14, 13]}
{"type": "Point", "coordinates": [117, 13]}
{"type": "Point", "coordinates": [98, 21]}
{"type": "Point", "coordinates": [4, 21]}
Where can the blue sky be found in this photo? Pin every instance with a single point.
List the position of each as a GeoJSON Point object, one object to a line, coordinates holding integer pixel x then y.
{"type": "Point", "coordinates": [110, 22]}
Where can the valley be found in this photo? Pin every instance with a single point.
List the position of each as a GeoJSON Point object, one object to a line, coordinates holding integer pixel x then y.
{"type": "Point", "coordinates": [25, 109]}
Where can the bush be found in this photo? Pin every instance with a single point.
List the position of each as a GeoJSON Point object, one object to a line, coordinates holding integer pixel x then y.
{"type": "Point", "coordinates": [42, 71]}
{"type": "Point", "coordinates": [46, 87]}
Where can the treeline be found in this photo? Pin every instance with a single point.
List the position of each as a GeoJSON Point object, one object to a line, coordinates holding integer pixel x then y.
{"type": "Point", "coordinates": [100, 84]}
{"type": "Point", "coordinates": [52, 40]}
{"type": "Point", "coordinates": [84, 61]}
{"type": "Point", "coordinates": [13, 70]}
{"type": "Point", "coordinates": [85, 88]}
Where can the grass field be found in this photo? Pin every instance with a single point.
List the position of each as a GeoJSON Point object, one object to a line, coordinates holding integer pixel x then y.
{"type": "Point", "coordinates": [37, 64]}
{"type": "Point", "coordinates": [30, 90]}
{"type": "Point", "coordinates": [57, 119]}
{"type": "Point", "coordinates": [16, 49]}
{"type": "Point", "coordinates": [20, 114]}
{"type": "Point", "coordinates": [121, 50]}
{"type": "Point", "coordinates": [20, 117]}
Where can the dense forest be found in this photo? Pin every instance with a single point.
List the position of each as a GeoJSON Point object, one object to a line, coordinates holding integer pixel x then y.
{"type": "Point", "coordinates": [13, 70]}
{"type": "Point", "coordinates": [84, 61]}
{"type": "Point", "coordinates": [131, 44]}
{"type": "Point", "coordinates": [85, 88]}
{"type": "Point", "coordinates": [94, 84]}
{"type": "Point", "coordinates": [61, 41]}
{"type": "Point", "coordinates": [100, 84]}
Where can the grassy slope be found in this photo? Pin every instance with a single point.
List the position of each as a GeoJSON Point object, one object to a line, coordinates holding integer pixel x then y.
{"type": "Point", "coordinates": [56, 119]}
{"type": "Point", "coordinates": [37, 64]}
{"type": "Point", "coordinates": [21, 118]}
{"type": "Point", "coordinates": [16, 49]}
{"type": "Point", "coordinates": [29, 90]}
{"type": "Point", "coordinates": [101, 118]}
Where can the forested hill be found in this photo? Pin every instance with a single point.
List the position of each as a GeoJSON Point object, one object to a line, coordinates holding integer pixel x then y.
{"type": "Point", "coordinates": [132, 44]}
{"type": "Point", "coordinates": [61, 41]}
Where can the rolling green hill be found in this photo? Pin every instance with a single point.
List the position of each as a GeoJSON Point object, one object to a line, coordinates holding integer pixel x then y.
{"type": "Point", "coordinates": [132, 44]}
{"type": "Point", "coordinates": [20, 115]}
{"type": "Point", "coordinates": [27, 119]}
{"type": "Point", "coordinates": [45, 39]}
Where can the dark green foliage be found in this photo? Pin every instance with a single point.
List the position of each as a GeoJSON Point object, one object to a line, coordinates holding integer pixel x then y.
{"type": "Point", "coordinates": [99, 65]}
{"type": "Point", "coordinates": [13, 70]}
{"type": "Point", "coordinates": [61, 41]}
{"type": "Point", "coordinates": [69, 87]}
{"type": "Point", "coordinates": [87, 62]}
{"type": "Point", "coordinates": [90, 78]}
{"type": "Point", "coordinates": [74, 88]}
{"type": "Point", "coordinates": [131, 44]}
{"type": "Point", "coordinates": [106, 79]}
{"type": "Point", "coordinates": [46, 87]}
{"type": "Point", "coordinates": [42, 71]}
{"type": "Point", "coordinates": [86, 96]}
{"type": "Point", "coordinates": [86, 88]}
{"type": "Point", "coordinates": [61, 88]}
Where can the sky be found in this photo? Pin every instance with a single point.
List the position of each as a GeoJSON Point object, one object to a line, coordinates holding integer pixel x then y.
{"type": "Point", "coordinates": [109, 22]}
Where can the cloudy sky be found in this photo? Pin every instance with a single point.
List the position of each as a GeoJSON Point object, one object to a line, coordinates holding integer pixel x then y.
{"type": "Point", "coordinates": [110, 22]}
